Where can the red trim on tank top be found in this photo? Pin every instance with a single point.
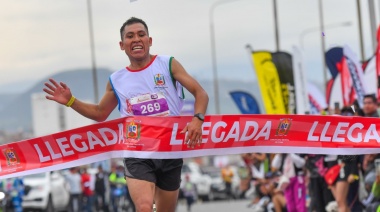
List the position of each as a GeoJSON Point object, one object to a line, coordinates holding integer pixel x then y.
{"type": "Point", "coordinates": [150, 63]}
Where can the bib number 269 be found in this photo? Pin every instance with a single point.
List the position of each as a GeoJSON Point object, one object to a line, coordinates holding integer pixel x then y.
{"type": "Point", "coordinates": [148, 108]}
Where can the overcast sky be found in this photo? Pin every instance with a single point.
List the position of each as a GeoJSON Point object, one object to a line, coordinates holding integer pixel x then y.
{"type": "Point", "coordinates": [43, 37]}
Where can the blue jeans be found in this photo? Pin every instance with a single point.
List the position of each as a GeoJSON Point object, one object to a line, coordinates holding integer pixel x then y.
{"type": "Point", "coordinates": [88, 202]}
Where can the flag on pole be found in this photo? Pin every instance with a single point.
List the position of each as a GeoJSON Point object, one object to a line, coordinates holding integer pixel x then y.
{"type": "Point", "coordinates": [284, 64]}
{"type": "Point", "coordinates": [357, 77]}
{"type": "Point", "coordinates": [269, 82]}
{"type": "Point", "coordinates": [302, 99]}
{"type": "Point", "coordinates": [370, 76]}
{"type": "Point", "coordinates": [347, 84]}
{"type": "Point", "coordinates": [246, 103]}
{"type": "Point", "coordinates": [378, 64]}
{"type": "Point", "coordinates": [316, 99]}
{"type": "Point", "coordinates": [275, 76]}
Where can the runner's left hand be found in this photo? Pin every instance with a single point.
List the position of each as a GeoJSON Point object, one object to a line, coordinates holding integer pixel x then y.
{"type": "Point", "coordinates": [194, 133]}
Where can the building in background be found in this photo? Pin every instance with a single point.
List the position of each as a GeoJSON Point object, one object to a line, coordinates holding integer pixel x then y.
{"type": "Point", "coordinates": [49, 117]}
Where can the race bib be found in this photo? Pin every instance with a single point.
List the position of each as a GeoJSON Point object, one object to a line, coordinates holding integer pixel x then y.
{"type": "Point", "coordinates": [149, 105]}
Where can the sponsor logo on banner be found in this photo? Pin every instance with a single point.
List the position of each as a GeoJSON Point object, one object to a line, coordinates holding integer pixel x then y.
{"type": "Point", "coordinates": [11, 156]}
{"type": "Point", "coordinates": [159, 80]}
{"type": "Point", "coordinates": [133, 131]}
{"type": "Point", "coordinates": [284, 127]}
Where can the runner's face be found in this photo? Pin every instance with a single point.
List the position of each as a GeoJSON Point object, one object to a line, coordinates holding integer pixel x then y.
{"type": "Point", "coordinates": [136, 41]}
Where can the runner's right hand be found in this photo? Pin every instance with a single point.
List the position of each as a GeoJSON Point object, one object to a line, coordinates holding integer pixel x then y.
{"type": "Point", "coordinates": [57, 92]}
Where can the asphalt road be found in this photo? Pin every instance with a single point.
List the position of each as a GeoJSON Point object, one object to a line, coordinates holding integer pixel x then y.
{"type": "Point", "coordinates": [219, 206]}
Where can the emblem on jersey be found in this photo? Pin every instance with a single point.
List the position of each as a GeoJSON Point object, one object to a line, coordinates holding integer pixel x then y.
{"type": "Point", "coordinates": [11, 156]}
{"type": "Point", "coordinates": [284, 126]}
{"type": "Point", "coordinates": [159, 80]}
{"type": "Point", "coordinates": [133, 130]}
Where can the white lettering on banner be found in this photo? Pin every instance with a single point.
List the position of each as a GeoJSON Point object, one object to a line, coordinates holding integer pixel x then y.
{"type": "Point", "coordinates": [173, 139]}
{"type": "Point", "coordinates": [93, 140]}
{"type": "Point", "coordinates": [265, 131]}
{"type": "Point", "coordinates": [248, 125]}
{"type": "Point", "coordinates": [40, 155]}
{"type": "Point", "coordinates": [215, 128]}
{"type": "Point", "coordinates": [341, 133]}
{"type": "Point", "coordinates": [121, 133]}
{"type": "Point", "coordinates": [103, 132]}
{"type": "Point", "coordinates": [205, 132]}
{"type": "Point", "coordinates": [372, 134]}
{"type": "Point", "coordinates": [249, 132]}
{"type": "Point", "coordinates": [310, 136]}
{"type": "Point", "coordinates": [234, 132]}
{"type": "Point", "coordinates": [67, 148]}
{"type": "Point", "coordinates": [324, 131]}
{"type": "Point", "coordinates": [72, 142]}
{"type": "Point", "coordinates": [350, 131]}
{"type": "Point", "coordinates": [63, 147]}
{"type": "Point", "coordinates": [51, 151]}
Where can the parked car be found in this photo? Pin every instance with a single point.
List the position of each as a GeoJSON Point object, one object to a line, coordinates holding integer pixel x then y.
{"type": "Point", "coordinates": [218, 187]}
{"type": "Point", "coordinates": [201, 181]}
{"type": "Point", "coordinates": [46, 191]}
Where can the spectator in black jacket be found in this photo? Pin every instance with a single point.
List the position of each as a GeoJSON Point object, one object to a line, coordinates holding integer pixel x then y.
{"type": "Point", "coordinates": [100, 189]}
{"type": "Point", "coordinates": [318, 190]}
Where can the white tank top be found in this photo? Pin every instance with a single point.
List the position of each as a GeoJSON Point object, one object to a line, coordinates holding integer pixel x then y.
{"type": "Point", "coordinates": [150, 91]}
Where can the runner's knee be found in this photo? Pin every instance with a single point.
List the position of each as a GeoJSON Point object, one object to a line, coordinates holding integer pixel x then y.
{"type": "Point", "coordinates": [144, 206]}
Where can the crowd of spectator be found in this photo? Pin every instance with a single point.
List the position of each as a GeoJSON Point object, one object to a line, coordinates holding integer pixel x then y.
{"type": "Point", "coordinates": [314, 182]}
{"type": "Point", "coordinates": [88, 192]}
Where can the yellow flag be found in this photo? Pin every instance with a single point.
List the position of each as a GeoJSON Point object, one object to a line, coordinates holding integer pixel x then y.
{"type": "Point", "coordinates": [269, 83]}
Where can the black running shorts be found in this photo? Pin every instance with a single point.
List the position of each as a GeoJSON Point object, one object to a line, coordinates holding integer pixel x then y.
{"type": "Point", "coordinates": [165, 173]}
{"type": "Point", "coordinates": [349, 168]}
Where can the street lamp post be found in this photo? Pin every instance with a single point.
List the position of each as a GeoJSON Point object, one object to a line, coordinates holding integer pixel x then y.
{"type": "Point", "coordinates": [323, 45]}
{"type": "Point", "coordinates": [275, 16]}
{"type": "Point", "coordinates": [213, 52]}
{"type": "Point", "coordinates": [92, 46]}
{"type": "Point", "coordinates": [372, 19]}
{"type": "Point", "coordinates": [358, 7]}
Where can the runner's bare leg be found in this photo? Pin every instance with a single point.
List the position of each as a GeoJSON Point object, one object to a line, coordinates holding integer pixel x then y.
{"type": "Point", "coordinates": [340, 193]}
{"type": "Point", "coordinates": [142, 193]}
{"type": "Point", "coordinates": [166, 200]}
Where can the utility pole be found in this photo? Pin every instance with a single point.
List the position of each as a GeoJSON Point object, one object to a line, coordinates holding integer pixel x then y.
{"type": "Point", "coordinates": [92, 46]}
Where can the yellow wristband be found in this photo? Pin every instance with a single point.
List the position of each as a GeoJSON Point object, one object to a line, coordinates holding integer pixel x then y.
{"type": "Point", "coordinates": [71, 101]}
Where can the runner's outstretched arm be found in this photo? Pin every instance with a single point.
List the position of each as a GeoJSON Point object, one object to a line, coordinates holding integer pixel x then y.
{"type": "Point", "coordinates": [60, 92]}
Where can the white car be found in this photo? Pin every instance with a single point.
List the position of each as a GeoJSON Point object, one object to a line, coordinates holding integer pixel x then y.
{"type": "Point", "coordinates": [46, 191]}
{"type": "Point", "coordinates": [202, 182]}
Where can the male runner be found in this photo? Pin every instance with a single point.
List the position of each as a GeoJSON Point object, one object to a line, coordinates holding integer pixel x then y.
{"type": "Point", "coordinates": [158, 81]}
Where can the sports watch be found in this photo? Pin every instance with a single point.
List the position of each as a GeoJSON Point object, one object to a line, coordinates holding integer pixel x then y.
{"type": "Point", "coordinates": [200, 116]}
